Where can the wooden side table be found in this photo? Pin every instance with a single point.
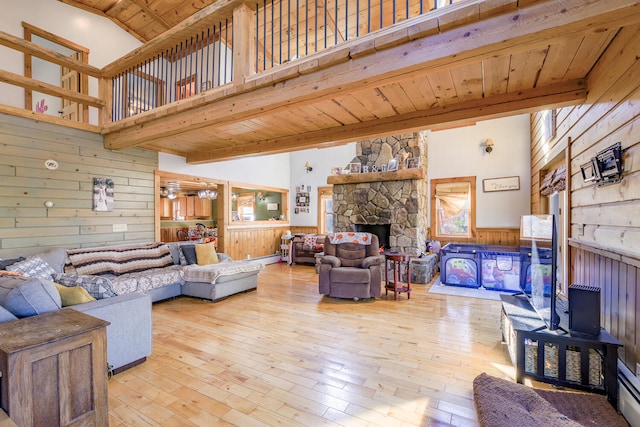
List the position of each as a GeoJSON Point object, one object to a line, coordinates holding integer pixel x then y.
{"type": "Point", "coordinates": [54, 370]}
{"type": "Point", "coordinates": [394, 261]}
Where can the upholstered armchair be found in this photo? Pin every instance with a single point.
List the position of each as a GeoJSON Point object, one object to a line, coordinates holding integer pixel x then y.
{"type": "Point", "coordinates": [351, 270]}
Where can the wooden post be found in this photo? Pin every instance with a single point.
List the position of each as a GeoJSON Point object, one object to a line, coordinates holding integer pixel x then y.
{"type": "Point", "coordinates": [105, 93]}
{"type": "Point", "coordinates": [244, 29]}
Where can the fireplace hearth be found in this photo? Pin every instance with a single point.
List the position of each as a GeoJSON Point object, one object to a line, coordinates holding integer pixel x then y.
{"type": "Point", "coordinates": [380, 230]}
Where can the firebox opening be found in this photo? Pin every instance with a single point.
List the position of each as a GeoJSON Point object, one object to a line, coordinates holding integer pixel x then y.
{"type": "Point", "coordinates": [381, 230]}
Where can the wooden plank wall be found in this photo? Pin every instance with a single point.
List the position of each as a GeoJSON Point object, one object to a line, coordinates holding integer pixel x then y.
{"type": "Point", "coordinates": [604, 221]}
{"type": "Point", "coordinates": [491, 236]}
{"type": "Point", "coordinates": [27, 226]}
{"type": "Point", "coordinates": [617, 277]}
{"type": "Point", "coordinates": [253, 241]}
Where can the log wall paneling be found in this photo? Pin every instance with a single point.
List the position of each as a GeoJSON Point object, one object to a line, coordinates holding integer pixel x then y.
{"type": "Point", "coordinates": [604, 229]}
{"type": "Point", "coordinates": [27, 226]}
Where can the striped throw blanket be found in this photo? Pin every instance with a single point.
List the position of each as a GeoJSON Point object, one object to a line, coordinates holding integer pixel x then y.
{"type": "Point", "coordinates": [210, 273]}
{"type": "Point", "coordinates": [119, 259]}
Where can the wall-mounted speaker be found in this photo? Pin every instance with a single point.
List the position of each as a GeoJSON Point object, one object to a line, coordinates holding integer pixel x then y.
{"type": "Point", "coordinates": [584, 310]}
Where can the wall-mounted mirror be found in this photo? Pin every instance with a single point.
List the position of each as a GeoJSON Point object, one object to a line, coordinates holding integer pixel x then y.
{"type": "Point", "coordinates": [251, 204]}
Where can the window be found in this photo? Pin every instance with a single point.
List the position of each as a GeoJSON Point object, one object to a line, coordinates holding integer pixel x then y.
{"type": "Point", "coordinates": [453, 205]}
{"type": "Point", "coordinates": [325, 211]}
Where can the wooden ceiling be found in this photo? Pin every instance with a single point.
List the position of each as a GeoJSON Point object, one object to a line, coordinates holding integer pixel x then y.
{"type": "Point", "coordinates": [470, 61]}
{"type": "Point", "coordinates": [143, 19]}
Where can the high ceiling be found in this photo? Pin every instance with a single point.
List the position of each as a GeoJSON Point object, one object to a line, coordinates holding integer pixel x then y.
{"type": "Point", "coordinates": [144, 19]}
{"type": "Point", "coordinates": [473, 60]}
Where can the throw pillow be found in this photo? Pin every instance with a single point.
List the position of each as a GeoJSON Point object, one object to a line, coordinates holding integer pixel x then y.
{"type": "Point", "coordinates": [74, 295]}
{"type": "Point", "coordinates": [189, 252]}
{"type": "Point", "coordinates": [206, 254]}
{"type": "Point", "coordinates": [33, 267]}
{"type": "Point", "coordinates": [309, 241]}
{"type": "Point", "coordinates": [97, 286]}
{"type": "Point", "coordinates": [28, 296]}
{"type": "Point", "coordinates": [4, 263]}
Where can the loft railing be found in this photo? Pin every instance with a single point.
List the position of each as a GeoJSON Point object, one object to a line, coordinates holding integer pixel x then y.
{"type": "Point", "coordinates": [201, 62]}
{"type": "Point", "coordinates": [207, 51]}
{"type": "Point", "coordinates": [290, 29]}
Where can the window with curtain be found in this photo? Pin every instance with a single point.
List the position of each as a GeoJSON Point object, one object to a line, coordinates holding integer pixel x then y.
{"type": "Point", "coordinates": [453, 207]}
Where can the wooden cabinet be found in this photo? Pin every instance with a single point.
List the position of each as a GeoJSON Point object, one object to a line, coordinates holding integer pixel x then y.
{"type": "Point", "coordinates": [166, 208]}
{"type": "Point", "coordinates": [203, 208]}
{"type": "Point", "coordinates": [54, 370]}
{"type": "Point", "coordinates": [191, 206]}
{"type": "Point", "coordinates": [198, 208]}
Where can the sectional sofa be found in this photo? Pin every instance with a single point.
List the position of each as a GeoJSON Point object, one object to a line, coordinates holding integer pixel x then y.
{"type": "Point", "coordinates": [124, 280]}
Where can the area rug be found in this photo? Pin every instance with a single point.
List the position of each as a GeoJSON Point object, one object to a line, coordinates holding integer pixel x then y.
{"type": "Point", "coordinates": [461, 291]}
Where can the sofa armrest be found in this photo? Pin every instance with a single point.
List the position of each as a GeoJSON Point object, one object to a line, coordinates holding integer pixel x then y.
{"type": "Point", "coordinates": [129, 336]}
{"type": "Point", "coordinates": [331, 260]}
{"type": "Point", "coordinates": [372, 260]}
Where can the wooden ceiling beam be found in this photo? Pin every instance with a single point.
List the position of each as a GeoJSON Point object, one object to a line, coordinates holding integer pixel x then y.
{"type": "Point", "coordinates": [451, 115]}
{"type": "Point", "coordinates": [534, 26]}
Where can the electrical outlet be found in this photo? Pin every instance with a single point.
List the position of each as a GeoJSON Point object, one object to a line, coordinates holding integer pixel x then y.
{"type": "Point", "coordinates": [580, 229]}
{"type": "Point", "coordinates": [638, 370]}
{"type": "Point", "coordinates": [119, 227]}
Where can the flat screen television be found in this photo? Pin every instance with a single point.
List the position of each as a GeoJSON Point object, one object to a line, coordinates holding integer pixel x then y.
{"type": "Point", "coordinates": [538, 245]}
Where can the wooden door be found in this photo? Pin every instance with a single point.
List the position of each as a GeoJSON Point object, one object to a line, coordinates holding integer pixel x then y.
{"type": "Point", "coordinates": [70, 80]}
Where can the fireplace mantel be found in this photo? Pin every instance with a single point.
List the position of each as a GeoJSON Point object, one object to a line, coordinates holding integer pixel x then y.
{"type": "Point", "coordinates": [356, 178]}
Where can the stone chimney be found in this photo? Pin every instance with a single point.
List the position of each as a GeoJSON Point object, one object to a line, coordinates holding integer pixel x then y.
{"type": "Point", "coordinates": [387, 197]}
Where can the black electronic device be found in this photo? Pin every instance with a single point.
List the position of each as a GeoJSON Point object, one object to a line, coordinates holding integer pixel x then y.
{"type": "Point", "coordinates": [605, 168]}
{"type": "Point", "coordinates": [584, 310]}
{"type": "Point", "coordinates": [539, 242]}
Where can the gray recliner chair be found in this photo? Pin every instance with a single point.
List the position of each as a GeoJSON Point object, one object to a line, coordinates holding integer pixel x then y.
{"type": "Point", "coordinates": [351, 270]}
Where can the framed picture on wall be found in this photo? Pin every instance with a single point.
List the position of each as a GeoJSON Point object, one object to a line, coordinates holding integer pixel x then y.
{"type": "Point", "coordinates": [355, 167]}
{"type": "Point", "coordinates": [103, 195]}
{"type": "Point", "coordinates": [413, 162]}
{"type": "Point", "coordinates": [392, 165]}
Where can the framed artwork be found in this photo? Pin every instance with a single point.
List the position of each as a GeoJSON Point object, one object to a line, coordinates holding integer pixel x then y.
{"type": "Point", "coordinates": [393, 165]}
{"type": "Point", "coordinates": [508, 183]}
{"type": "Point", "coordinates": [272, 206]}
{"type": "Point", "coordinates": [354, 167]}
{"type": "Point", "coordinates": [103, 195]}
{"type": "Point", "coordinates": [413, 162]}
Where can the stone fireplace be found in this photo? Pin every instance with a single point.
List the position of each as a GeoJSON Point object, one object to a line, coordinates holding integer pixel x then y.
{"type": "Point", "coordinates": [394, 198]}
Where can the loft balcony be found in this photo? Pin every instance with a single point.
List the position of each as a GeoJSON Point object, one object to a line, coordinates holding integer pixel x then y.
{"type": "Point", "coordinates": [238, 79]}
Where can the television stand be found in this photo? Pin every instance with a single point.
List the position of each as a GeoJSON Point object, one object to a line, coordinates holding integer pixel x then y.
{"type": "Point", "coordinates": [584, 362]}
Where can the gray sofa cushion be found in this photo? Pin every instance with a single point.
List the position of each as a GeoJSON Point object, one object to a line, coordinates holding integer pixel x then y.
{"type": "Point", "coordinates": [6, 315]}
{"type": "Point", "coordinates": [28, 296]}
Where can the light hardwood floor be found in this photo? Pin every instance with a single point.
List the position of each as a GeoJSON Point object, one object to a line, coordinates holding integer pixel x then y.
{"type": "Point", "coordinates": [284, 355]}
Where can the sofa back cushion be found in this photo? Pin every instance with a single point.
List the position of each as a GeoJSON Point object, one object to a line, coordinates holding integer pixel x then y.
{"type": "Point", "coordinates": [28, 296]}
{"type": "Point", "coordinates": [119, 259]}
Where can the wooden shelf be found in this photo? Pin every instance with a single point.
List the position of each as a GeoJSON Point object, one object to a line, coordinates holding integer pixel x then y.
{"type": "Point", "coordinates": [356, 178]}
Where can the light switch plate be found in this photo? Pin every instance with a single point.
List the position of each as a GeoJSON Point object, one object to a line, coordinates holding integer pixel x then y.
{"type": "Point", "coordinates": [119, 227]}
